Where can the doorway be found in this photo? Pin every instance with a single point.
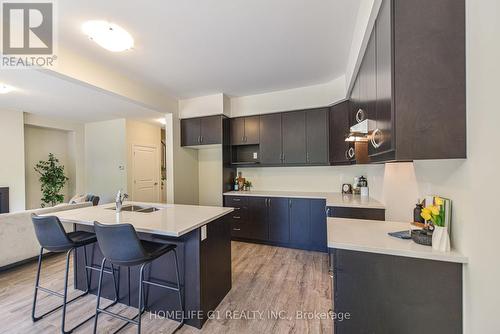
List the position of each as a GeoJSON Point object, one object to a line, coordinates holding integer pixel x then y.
{"type": "Point", "coordinates": [145, 169]}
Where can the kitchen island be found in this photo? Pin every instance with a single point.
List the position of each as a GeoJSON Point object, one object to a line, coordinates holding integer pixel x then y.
{"type": "Point", "coordinates": [203, 238]}
{"type": "Point", "coordinates": [389, 285]}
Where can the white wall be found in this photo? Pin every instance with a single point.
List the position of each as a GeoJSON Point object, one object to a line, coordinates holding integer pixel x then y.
{"type": "Point", "coordinates": [12, 157]}
{"type": "Point", "coordinates": [106, 158]}
{"type": "Point", "coordinates": [139, 133]}
{"type": "Point", "coordinates": [210, 176]}
{"type": "Point", "coordinates": [203, 106]}
{"type": "Point", "coordinates": [182, 166]}
{"type": "Point", "coordinates": [76, 133]}
{"type": "Point", "coordinates": [291, 99]}
{"type": "Point", "coordinates": [38, 143]}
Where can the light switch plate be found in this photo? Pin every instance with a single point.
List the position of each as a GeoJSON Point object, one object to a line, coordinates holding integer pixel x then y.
{"type": "Point", "coordinates": [203, 232]}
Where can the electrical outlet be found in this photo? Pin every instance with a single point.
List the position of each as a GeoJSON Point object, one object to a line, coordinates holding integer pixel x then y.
{"type": "Point", "coordinates": [255, 155]}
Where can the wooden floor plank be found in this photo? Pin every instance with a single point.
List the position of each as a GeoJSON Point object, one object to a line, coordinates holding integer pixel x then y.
{"type": "Point", "coordinates": [272, 280]}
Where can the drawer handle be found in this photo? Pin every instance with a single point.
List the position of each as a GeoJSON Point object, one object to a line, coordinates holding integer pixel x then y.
{"type": "Point", "coordinates": [236, 199]}
{"type": "Point", "coordinates": [236, 209]}
{"type": "Point", "coordinates": [236, 229]}
{"type": "Point", "coordinates": [236, 217]}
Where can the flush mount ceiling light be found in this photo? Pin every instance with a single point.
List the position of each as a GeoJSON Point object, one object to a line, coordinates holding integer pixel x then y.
{"type": "Point", "coordinates": [4, 89]}
{"type": "Point", "coordinates": [108, 35]}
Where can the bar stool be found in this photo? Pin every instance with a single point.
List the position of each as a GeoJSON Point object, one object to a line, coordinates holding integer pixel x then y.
{"type": "Point", "coordinates": [121, 246]}
{"type": "Point", "coordinates": [52, 237]}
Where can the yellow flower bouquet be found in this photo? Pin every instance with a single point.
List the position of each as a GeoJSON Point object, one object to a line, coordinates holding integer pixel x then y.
{"type": "Point", "coordinates": [435, 213]}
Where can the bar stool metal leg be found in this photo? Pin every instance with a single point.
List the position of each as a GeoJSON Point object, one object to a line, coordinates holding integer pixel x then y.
{"type": "Point", "coordinates": [37, 283]}
{"type": "Point", "coordinates": [64, 295]}
{"type": "Point", "coordinates": [179, 292]}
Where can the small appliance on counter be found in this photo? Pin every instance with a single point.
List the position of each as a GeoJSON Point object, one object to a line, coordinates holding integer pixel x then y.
{"type": "Point", "coordinates": [346, 189]}
{"type": "Point", "coordinates": [360, 186]}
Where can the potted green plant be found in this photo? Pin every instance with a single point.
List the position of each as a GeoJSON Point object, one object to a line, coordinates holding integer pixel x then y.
{"type": "Point", "coordinates": [52, 179]}
{"type": "Point", "coordinates": [247, 185]}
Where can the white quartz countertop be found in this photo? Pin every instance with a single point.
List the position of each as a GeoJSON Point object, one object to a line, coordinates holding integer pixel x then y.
{"type": "Point", "coordinates": [371, 236]}
{"type": "Point", "coordinates": [171, 220]}
{"type": "Point", "coordinates": [332, 199]}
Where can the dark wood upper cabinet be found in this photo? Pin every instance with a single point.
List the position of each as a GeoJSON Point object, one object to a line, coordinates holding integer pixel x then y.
{"type": "Point", "coordinates": [190, 132]}
{"type": "Point", "coordinates": [211, 130]}
{"type": "Point", "coordinates": [270, 139]}
{"type": "Point", "coordinates": [317, 136]}
{"type": "Point", "coordinates": [201, 131]}
{"type": "Point", "coordinates": [384, 119]}
{"type": "Point", "coordinates": [245, 130]}
{"type": "Point", "coordinates": [419, 110]}
{"type": "Point", "coordinates": [238, 131]}
{"type": "Point", "coordinates": [339, 129]}
{"type": "Point", "coordinates": [252, 130]}
{"type": "Point", "coordinates": [294, 137]}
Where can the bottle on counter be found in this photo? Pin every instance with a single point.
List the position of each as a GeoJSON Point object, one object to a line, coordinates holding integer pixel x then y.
{"type": "Point", "coordinates": [241, 181]}
{"type": "Point", "coordinates": [235, 187]}
{"type": "Point", "coordinates": [417, 218]}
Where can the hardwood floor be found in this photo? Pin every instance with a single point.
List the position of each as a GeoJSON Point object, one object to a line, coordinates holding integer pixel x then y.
{"type": "Point", "coordinates": [278, 282]}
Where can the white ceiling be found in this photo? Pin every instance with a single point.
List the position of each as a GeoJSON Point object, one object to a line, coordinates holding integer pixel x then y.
{"type": "Point", "coordinates": [42, 93]}
{"type": "Point", "coordinates": [239, 47]}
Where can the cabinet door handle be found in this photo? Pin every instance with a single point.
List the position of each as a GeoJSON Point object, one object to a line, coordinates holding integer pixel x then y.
{"type": "Point", "coordinates": [201, 139]}
{"type": "Point", "coordinates": [330, 272]}
{"type": "Point", "coordinates": [360, 115]}
{"type": "Point", "coordinates": [351, 153]}
{"type": "Point", "coordinates": [236, 229]}
{"type": "Point", "coordinates": [376, 138]}
{"type": "Point", "coordinates": [307, 156]}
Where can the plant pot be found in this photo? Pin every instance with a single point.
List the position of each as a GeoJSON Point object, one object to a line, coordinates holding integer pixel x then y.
{"type": "Point", "coordinates": [441, 239]}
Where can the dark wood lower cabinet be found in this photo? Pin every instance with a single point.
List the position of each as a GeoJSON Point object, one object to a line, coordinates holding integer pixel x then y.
{"type": "Point", "coordinates": [279, 220]}
{"type": "Point", "coordinates": [300, 221]}
{"type": "Point", "coordinates": [295, 223]}
{"type": "Point", "coordinates": [385, 294]}
{"type": "Point", "coordinates": [356, 213]}
{"type": "Point", "coordinates": [257, 218]}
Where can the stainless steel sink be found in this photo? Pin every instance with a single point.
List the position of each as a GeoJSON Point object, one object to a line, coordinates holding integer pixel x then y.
{"type": "Point", "coordinates": [138, 208]}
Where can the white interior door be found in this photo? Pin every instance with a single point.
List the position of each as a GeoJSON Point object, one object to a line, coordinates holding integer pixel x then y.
{"type": "Point", "coordinates": [145, 173]}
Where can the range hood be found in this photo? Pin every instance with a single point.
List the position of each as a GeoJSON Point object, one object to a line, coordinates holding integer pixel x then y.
{"type": "Point", "coordinates": [360, 131]}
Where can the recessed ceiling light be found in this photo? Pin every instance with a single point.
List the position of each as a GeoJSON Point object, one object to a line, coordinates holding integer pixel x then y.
{"type": "Point", "coordinates": [4, 89]}
{"type": "Point", "coordinates": [110, 36]}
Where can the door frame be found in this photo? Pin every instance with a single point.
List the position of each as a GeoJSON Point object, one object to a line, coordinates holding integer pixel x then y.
{"type": "Point", "coordinates": [157, 170]}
